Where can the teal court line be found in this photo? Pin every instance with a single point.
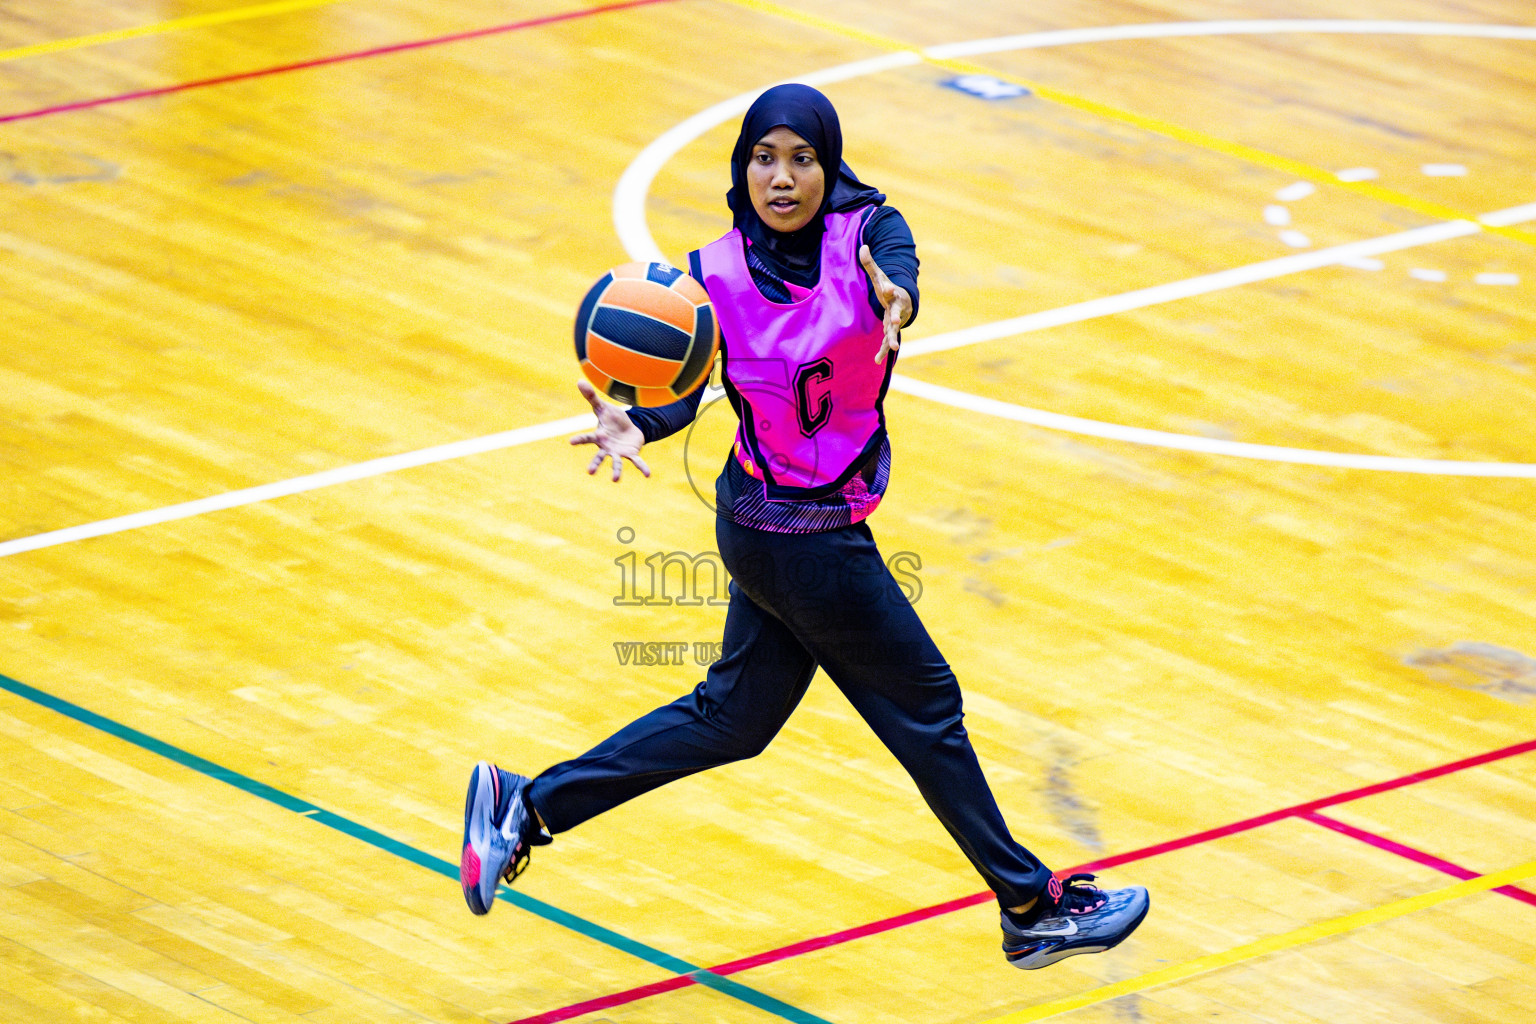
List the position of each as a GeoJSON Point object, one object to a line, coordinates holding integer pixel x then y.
{"type": "Point", "coordinates": [405, 851]}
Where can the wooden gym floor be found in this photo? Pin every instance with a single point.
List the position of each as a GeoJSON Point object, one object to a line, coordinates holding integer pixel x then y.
{"type": "Point", "coordinates": [1215, 470]}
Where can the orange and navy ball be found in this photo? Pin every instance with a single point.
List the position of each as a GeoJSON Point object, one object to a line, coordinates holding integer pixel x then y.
{"type": "Point", "coordinates": [646, 334]}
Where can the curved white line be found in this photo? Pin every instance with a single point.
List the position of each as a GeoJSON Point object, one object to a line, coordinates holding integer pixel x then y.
{"type": "Point", "coordinates": [1208, 445]}
{"type": "Point", "coordinates": [629, 220]}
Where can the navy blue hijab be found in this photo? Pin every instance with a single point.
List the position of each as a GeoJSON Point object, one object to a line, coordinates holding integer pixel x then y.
{"type": "Point", "coordinates": [810, 115]}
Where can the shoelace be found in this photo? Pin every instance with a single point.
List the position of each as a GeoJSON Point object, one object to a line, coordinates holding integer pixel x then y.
{"type": "Point", "coordinates": [518, 864]}
{"type": "Point", "coordinates": [520, 853]}
{"type": "Point", "coordinates": [520, 858]}
{"type": "Point", "coordinates": [1081, 899]}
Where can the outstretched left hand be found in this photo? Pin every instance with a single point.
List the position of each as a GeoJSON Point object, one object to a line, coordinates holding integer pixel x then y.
{"type": "Point", "coordinates": [895, 299]}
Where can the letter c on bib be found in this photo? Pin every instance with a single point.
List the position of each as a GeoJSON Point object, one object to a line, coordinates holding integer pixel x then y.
{"type": "Point", "coordinates": [813, 416]}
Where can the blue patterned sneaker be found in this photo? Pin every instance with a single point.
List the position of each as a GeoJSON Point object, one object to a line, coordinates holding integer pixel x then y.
{"type": "Point", "coordinates": [1072, 919]}
{"type": "Point", "coordinates": [499, 828]}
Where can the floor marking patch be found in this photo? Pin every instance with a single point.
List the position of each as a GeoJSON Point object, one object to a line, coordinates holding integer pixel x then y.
{"type": "Point", "coordinates": [1291, 193]}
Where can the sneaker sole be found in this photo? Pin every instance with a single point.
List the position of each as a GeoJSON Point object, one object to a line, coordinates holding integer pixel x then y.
{"type": "Point", "coordinates": [471, 866]}
{"type": "Point", "coordinates": [1045, 959]}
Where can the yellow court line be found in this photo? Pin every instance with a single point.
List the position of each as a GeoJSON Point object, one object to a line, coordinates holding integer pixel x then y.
{"type": "Point", "coordinates": [159, 27]}
{"type": "Point", "coordinates": [1290, 940]}
{"type": "Point", "coordinates": [1167, 129]}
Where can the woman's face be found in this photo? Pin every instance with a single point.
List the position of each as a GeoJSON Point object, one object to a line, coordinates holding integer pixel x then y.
{"type": "Point", "coordinates": [785, 180]}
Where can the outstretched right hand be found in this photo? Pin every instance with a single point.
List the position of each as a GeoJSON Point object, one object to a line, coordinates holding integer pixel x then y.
{"type": "Point", "coordinates": [617, 438]}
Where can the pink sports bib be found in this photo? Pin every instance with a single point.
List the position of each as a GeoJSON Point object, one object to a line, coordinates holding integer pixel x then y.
{"type": "Point", "coordinates": [805, 371]}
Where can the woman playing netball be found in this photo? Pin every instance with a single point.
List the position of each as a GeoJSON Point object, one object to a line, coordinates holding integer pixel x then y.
{"type": "Point", "coordinates": [811, 287]}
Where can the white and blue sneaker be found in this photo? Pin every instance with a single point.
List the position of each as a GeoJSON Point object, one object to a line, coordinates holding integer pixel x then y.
{"type": "Point", "coordinates": [499, 827]}
{"type": "Point", "coordinates": [1072, 919]}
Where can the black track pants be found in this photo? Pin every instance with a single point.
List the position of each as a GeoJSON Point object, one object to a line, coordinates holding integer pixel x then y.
{"type": "Point", "coordinates": [799, 601]}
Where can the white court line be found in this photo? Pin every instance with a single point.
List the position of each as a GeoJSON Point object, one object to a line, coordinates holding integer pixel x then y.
{"type": "Point", "coordinates": [629, 219]}
{"type": "Point", "coordinates": [1220, 280]}
{"type": "Point", "coordinates": [1510, 217]}
{"type": "Point", "coordinates": [1202, 285]}
{"type": "Point", "coordinates": [1256, 26]}
{"type": "Point", "coordinates": [1207, 445]}
{"type": "Point", "coordinates": [299, 484]}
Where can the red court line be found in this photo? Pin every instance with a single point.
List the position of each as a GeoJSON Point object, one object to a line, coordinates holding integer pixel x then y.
{"type": "Point", "coordinates": [614, 999]}
{"type": "Point", "coordinates": [911, 917]}
{"type": "Point", "coordinates": [323, 61]}
{"type": "Point", "coordinates": [1312, 805]}
{"type": "Point", "coordinates": [759, 959]}
{"type": "Point", "coordinates": [1429, 860]}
